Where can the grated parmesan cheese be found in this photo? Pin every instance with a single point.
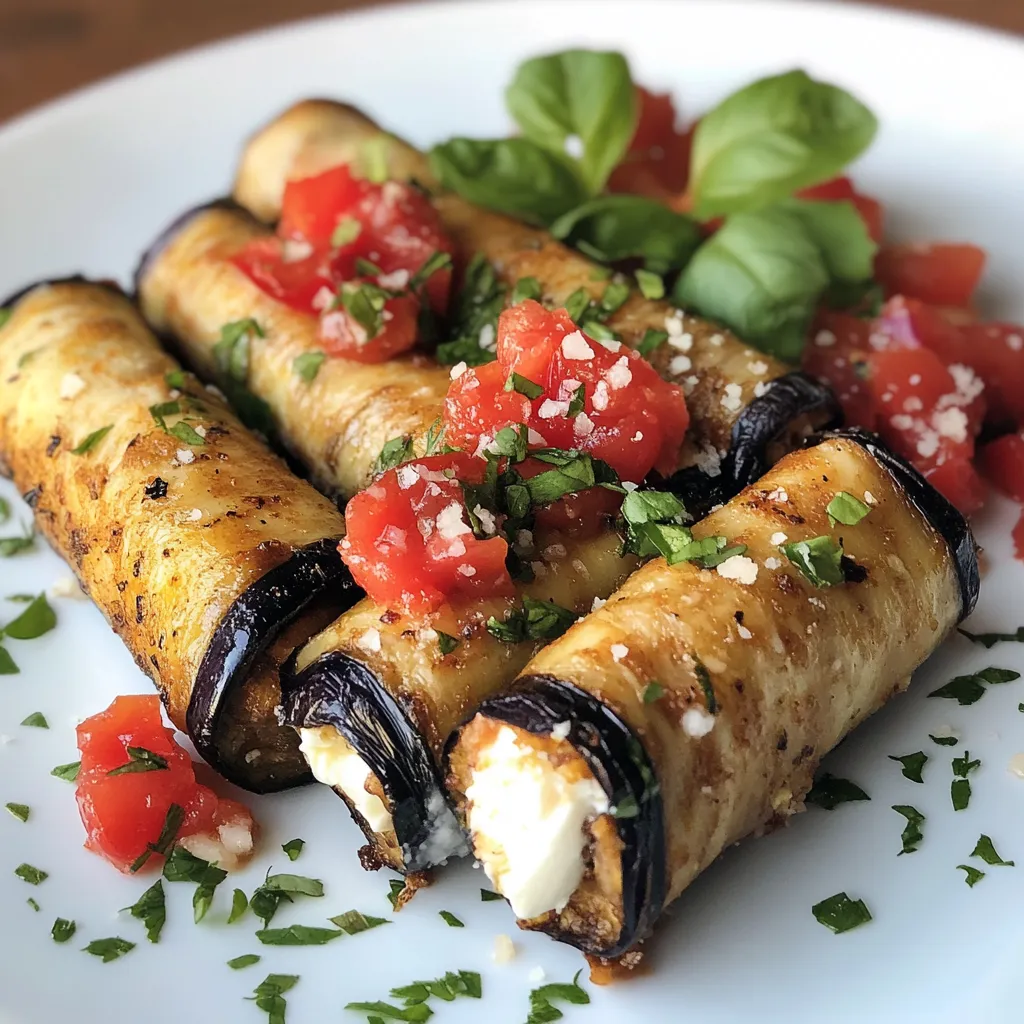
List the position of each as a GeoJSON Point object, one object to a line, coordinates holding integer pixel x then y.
{"type": "Point", "coordinates": [739, 568]}
{"type": "Point", "coordinates": [618, 652]}
{"type": "Point", "coordinates": [574, 346]}
{"type": "Point", "coordinates": [71, 385]}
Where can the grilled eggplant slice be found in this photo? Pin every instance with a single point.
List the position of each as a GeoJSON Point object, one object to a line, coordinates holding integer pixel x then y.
{"type": "Point", "coordinates": [740, 424]}
{"type": "Point", "coordinates": [691, 710]}
{"type": "Point", "coordinates": [210, 560]}
{"type": "Point", "coordinates": [335, 424]}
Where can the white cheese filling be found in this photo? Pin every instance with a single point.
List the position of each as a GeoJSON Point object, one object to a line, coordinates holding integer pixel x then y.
{"type": "Point", "coordinates": [532, 817]}
{"type": "Point", "coordinates": [333, 762]}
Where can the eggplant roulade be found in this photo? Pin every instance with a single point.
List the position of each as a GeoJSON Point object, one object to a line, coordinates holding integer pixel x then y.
{"type": "Point", "coordinates": [209, 559]}
{"type": "Point", "coordinates": [741, 425]}
{"type": "Point", "coordinates": [692, 709]}
{"type": "Point", "coordinates": [333, 414]}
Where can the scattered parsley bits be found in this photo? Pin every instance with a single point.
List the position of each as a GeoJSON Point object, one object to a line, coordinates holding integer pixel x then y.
{"type": "Point", "coordinates": [140, 760]}
{"type": "Point", "coordinates": [29, 874]}
{"type": "Point", "coordinates": [829, 792]}
{"type": "Point", "coordinates": [182, 866]}
{"type": "Point", "coordinates": [523, 386]}
{"type": "Point", "coordinates": [307, 366]}
{"type": "Point", "coordinates": [841, 914]}
{"type": "Point", "coordinates": [944, 741]}
{"type": "Point", "coordinates": [239, 905]}
{"type": "Point", "coordinates": [278, 889]}
{"type": "Point", "coordinates": [298, 935]}
{"type": "Point", "coordinates": [446, 643]}
{"type": "Point", "coordinates": [960, 787]}
{"type": "Point", "coordinates": [525, 288]}
{"type": "Point", "coordinates": [348, 230]}
{"type": "Point", "coordinates": [846, 509]}
{"type": "Point", "coordinates": [151, 910]}
{"type": "Point", "coordinates": [246, 960]}
{"type": "Point", "coordinates": [397, 887]}
{"type": "Point", "coordinates": [352, 922]}
{"type": "Point", "coordinates": [109, 949]}
{"type": "Point", "coordinates": [38, 618]}
{"type": "Point", "coordinates": [536, 620]}
{"type": "Point", "coordinates": [651, 341]}
{"type": "Point", "coordinates": [650, 284]}
{"type": "Point", "coordinates": [969, 689]}
{"type": "Point", "coordinates": [293, 848]}
{"type": "Point", "coordinates": [172, 822]}
{"type": "Point", "coordinates": [988, 640]}
{"type": "Point", "coordinates": [20, 811]}
{"type": "Point", "coordinates": [175, 379]}
{"type": "Point", "coordinates": [541, 999]}
{"type": "Point", "coordinates": [450, 919]}
{"type": "Point", "coordinates": [912, 834]}
{"type": "Point", "coordinates": [10, 546]}
{"type": "Point", "coordinates": [36, 720]}
{"type": "Point", "coordinates": [474, 317]}
{"type": "Point", "coordinates": [490, 896]}
{"type": "Point", "coordinates": [577, 402]}
{"type": "Point", "coordinates": [818, 559]}
{"type": "Point", "coordinates": [415, 996]}
{"type": "Point", "coordinates": [63, 929]}
{"type": "Point", "coordinates": [67, 772]}
{"type": "Point", "coordinates": [269, 995]}
{"type": "Point", "coordinates": [89, 442]}
{"type": "Point", "coordinates": [972, 875]}
{"type": "Point", "coordinates": [7, 663]}
{"type": "Point", "coordinates": [987, 852]}
{"type": "Point", "coordinates": [913, 764]}
{"type": "Point", "coordinates": [653, 691]}
{"type": "Point", "coordinates": [32, 903]}
{"type": "Point", "coordinates": [393, 454]}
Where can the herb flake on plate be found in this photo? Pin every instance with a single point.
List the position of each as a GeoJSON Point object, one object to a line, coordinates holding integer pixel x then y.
{"type": "Point", "coordinates": [912, 834]}
{"type": "Point", "coordinates": [293, 848]}
{"type": "Point", "coordinates": [20, 811]}
{"type": "Point", "coordinates": [109, 949]}
{"type": "Point", "coordinates": [151, 910]}
{"type": "Point", "coordinates": [829, 792]}
{"type": "Point", "coordinates": [62, 930]}
{"type": "Point", "coordinates": [30, 874]}
{"type": "Point", "coordinates": [36, 721]}
{"type": "Point", "coordinates": [987, 852]}
{"type": "Point", "coordinates": [841, 914]}
{"type": "Point", "coordinates": [913, 764]}
{"type": "Point", "coordinates": [246, 960]}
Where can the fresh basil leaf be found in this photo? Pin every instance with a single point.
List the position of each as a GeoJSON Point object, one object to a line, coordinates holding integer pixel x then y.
{"type": "Point", "coordinates": [651, 285]}
{"type": "Point", "coordinates": [352, 922]}
{"type": "Point", "coordinates": [651, 507]}
{"type": "Point", "coordinates": [269, 995]}
{"type": "Point", "coordinates": [761, 275]}
{"type": "Point", "coordinates": [474, 318]}
{"type": "Point", "coordinates": [987, 852]}
{"type": "Point", "coordinates": [511, 443]}
{"type": "Point", "coordinates": [998, 675]}
{"type": "Point", "coordinates": [841, 235]}
{"type": "Point", "coordinates": [37, 720]}
{"type": "Point", "coordinates": [38, 618]}
{"type": "Point", "coordinates": [972, 875]}
{"type": "Point", "coordinates": [829, 792]}
{"type": "Point", "coordinates": [32, 875]}
{"type": "Point", "coordinates": [109, 949]}
{"type": "Point", "coordinates": [772, 138]}
{"type": "Point", "coordinates": [944, 741]}
{"type": "Point", "coordinates": [526, 288]}
{"type": "Point", "coordinates": [140, 760]}
{"type": "Point", "coordinates": [912, 834]}
{"type": "Point", "coordinates": [347, 230]}
{"type": "Point", "coordinates": [989, 640]}
{"type": "Point", "coordinates": [624, 227]}
{"type": "Point", "coordinates": [912, 764]}
{"type": "Point", "coordinates": [298, 885]}
{"type": "Point", "coordinates": [239, 963]}
{"type": "Point", "coordinates": [513, 176]}
{"type": "Point", "coordinates": [67, 772]}
{"type": "Point", "coordinates": [846, 509]}
{"type": "Point", "coordinates": [151, 910]}
{"type": "Point", "coordinates": [293, 848]}
{"type": "Point", "coordinates": [298, 935]}
{"type": "Point", "coordinates": [379, 1011]}
{"type": "Point", "coordinates": [520, 384]}
{"type": "Point", "coordinates": [963, 766]}
{"type": "Point", "coordinates": [63, 930]}
{"type": "Point", "coordinates": [182, 866]}
{"type": "Point", "coordinates": [839, 913]}
{"type": "Point", "coordinates": [393, 454]}
{"type": "Point", "coordinates": [168, 834]}
{"type": "Point", "coordinates": [582, 94]}
{"type": "Point", "coordinates": [819, 560]}
{"type": "Point", "coordinates": [90, 441]}
{"type": "Point", "coordinates": [446, 642]}
{"type": "Point", "coordinates": [653, 691]}
{"type": "Point", "coordinates": [307, 365]}
{"type": "Point", "coordinates": [571, 478]}
{"type": "Point", "coordinates": [20, 811]}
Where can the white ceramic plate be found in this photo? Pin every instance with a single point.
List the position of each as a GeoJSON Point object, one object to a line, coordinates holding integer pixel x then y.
{"type": "Point", "coordinates": [87, 182]}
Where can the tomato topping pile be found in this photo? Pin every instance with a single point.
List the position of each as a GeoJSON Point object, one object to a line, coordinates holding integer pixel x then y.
{"type": "Point", "coordinates": [364, 257]}
{"type": "Point", "coordinates": [125, 810]}
{"type": "Point", "coordinates": [571, 392]}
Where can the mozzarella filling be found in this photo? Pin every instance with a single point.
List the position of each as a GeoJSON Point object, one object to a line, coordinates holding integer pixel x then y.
{"type": "Point", "coordinates": [527, 819]}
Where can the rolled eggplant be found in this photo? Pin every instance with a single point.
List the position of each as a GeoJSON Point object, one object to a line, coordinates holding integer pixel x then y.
{"type": "Point", "coordinates": [747, 408]}
{"type": "Point", "coordinates": [336, 423]}
{"type": "Point", "coordinates": [691, 710]}
{"type": "Point", "coordinates": [210, 560]}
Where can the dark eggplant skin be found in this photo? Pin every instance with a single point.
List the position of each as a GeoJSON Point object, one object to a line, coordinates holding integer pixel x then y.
{"type": "Point", "coordinates": [249, 627]}
{"type": "Point", "coordinates": [340, 691]}
{"type": "Point", "coordinates": [621, 766]}
{"type": "Point", "coordinates": [943, 516]}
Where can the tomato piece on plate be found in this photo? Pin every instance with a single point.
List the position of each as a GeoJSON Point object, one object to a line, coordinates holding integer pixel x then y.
{"type": "Point", "coordinates": [312, 207]}
{"type": "Point", "coordinates": [1003, 463]}
{"type": "Point", "coordinates": [124, 813]}
{"type": "Point", "coordinates": [995, 351]}
{"type": "Point", "coordinates": [837, 354]}
{"type": "Point", "coordinates": [657, 162]}
{"type": "Point", "coordinates": [410, 544]}
{"type": "Point", "coordinates": [939, 273]}
{"type": "Point", "coordinates": [296, 282]}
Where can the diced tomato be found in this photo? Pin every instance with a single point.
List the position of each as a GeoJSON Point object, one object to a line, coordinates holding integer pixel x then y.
{"type": "Point", "coordinates": [657, 163]}
{"type": "Point", "coordinates": [837, 354]}
{"type": "Point", "coordinates": [312, 207]}
{"type": "Point", "coordinates": [995, 351]}
{"type": "Point", "coordinates": [630, 417]}
{"type": "Point", "coordinates": [1018, 538]}
{"type": "Point", "coordinates": [343, 335]}
{"type": "Point", "coordinates": [836, 189]}
{"type": "Point", "coordinates": [295, 282]}
{"type": "Point", "coordinates": [1003, 463]}
{"type": "Point", "coordinates": [960, 483]}
{"type": "Point", "coordinates": [409, 543]}
{"type": "Point", "coordinates": [124, 813]}
{"type": "Point", "coordinates": [944, 275]}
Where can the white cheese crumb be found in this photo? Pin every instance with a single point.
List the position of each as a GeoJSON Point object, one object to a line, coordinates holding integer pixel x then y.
{"type": "Point", "coordinates": [185, 456]}
{"type": "Point", "coordinates": [293, 250]}
{"type": "Point", "coordinates": [561, 730]}
{"type": "Point", "coordinates": [583, 425]}
{"type": "Point", "coordinates": [869, 498]}
{"type": "Point", "coordinates": [778, 538]}
{"type": "Point", "coordinates": [1015, 342]}
{"type": "Point", "coordinates": [536, 975]}
{"type": "Point", "coordinates": [196, 514]}
{"type": "Point", "coordinates": [458, 370]}
{"type": "Point", "coordinates": [951, 423]}
{"type": "Point", "coordinates": [619, 375]}
{"type": "Point", "coordinates": [638, 436]}
{"type": "Point", "coordinates": [732, 400]}
{"type": "Point", "coordinates": [486, 518]}
{"type": "Point", "coordinates": [370, 641]}
{"type": "Point", "coordinates": [467, 570]}
{"type": "Point", "coordinates": [716, 339]}
{"type": "Point", "coordinates": [779, 494]}
{"type": "Point", "coordinates": [739, 568]}
{"type": "Point", "coordinates": [550, 408]}
{"type": "Point", "coordinates": [396, 280]}
{"type": "Point", "coordinates": [407, 476]}
{"type": "Point", "coordinates": [201, 430]}
{"type": "Point", "coordinates": [683, 341]}
{"type": "Point", "coordinates": [71, 385]}
{"type": "Point", "coordinates": [504, 949]}
{"type": "Point", "coordinates": [761, 389]}
{"type": "Point", "coordinates": [574, 346]}
{"type": "Point", "coordinates": [758, 368]}
{"type": "Point", "coordinates": [600, 398]}
{"type": "Point", "coordinates": [323, 299]}
{"type": "Point", "coordinates": [488, 338]}
{"type": "Point", "coordinates": [674, 325]}
{"type": "Point", "coordinates": [696, 722]}
{"type": "Point", "coordinates": [679, 364]}
{"type": "Point", "coordinates": [773, 563]}
{"type": "Point", "coordinates": [67, 586]}
{"type": "Point", "coordinates": [744, 633]}
{"type": "Point", "coordinates": [598, 602]}
{"type": "Point", "coordinates": [824, 339]}
{"type": "Point", "coordinates": [709, 460]}
{"type": "Point", "coordinates": [532, 437]}
{"type": "Point", "coordinates": [450, 523]}
{"type": "Point", "coordinates": [618, 652]}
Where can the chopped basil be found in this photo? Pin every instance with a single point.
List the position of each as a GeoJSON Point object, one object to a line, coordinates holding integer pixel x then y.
{"type": "Point", "coordinates": [245, 960]}
{"type": "Point", "coordinates": [67, 772]}
{"type": "Point", "coordinates": [32, 875]}
{"type": "Point", "coordinates": [186, 433]}
{"type": "Point", "coordinates": [347, 230]}
{"type": "Point", "coordinates": [912, 834]}
{"type": "Point", "coordinates": [293, 848]}
{"type": "Point", "coordinates": [944, 741]}
{"type": "Point", "coordinates": [818, 559]}
{"type": "Point", "coordinates": [704, 678]}
{"type": "Point", "coordinates": [202, 898]}
{"type": "Point", "coordinates": [963, 766]}
{"type": "Point", "coordinates": [988, 640]}
{"type": "Point", "coordinates": [298, 935]}
{"type": "Point", "coordinates": [396, 887]}
{"type": "Point", "coordinates": [474, 317]}
{"type": "Point", "coordinates": [450, 919]}
{"type": "Point", "coordinates": [109, 949]}
{"type": "Point", "coordinates": [38, 618]}
{"type": "Point", "coordinates": [5, 510]}
{"type": "Point", "coordinates": [1020, 707]}
{"type": "Point", "coordinates": [541, 999]}
{"type": "Point", "coordinates": [140, 760]}
{"type": "Point", "coordinates": [307, 366]}
{"type": "Point", "coordinates": [91, 440]}
{"type": "Point", "coordinates": [511, 442]}
{"type": "Point", "coordinates": [960, 794]}
{"type": "Point", "coordinates": [651, 507]}
{"type": "Point", "coordinates": [516, 382]}
{"type": "Point", "coordinates": [7, 665]}
{"type": "Point", "coordinates": [571, 477]}
{"type": "Point", "coordinates": [987, 852]}
{"type": "Point", "coordinates": [352, 922]}
{"type": "Point", "coordinates": [490, 896]}
{"type": "Point", "coordinates": [36, 720]}
{"type": "Point", "coordinates": [434, 441]}
{"type": "Point", "coordinates": [283, 888]}
{"type": "Point", "coordinates": [434, 263]}
{"type": "Point", "coordinates": [969, 689]}
{"type": "Point", "coordinates": [829, 792]}
{"type": "Point", "coordinates": [172, 822]}
{"type": "Point", "coordinates": [653, 691]}
{"type": "Point", "coordinates": [446, 642]}
{"type": "Point", "coordinates": [162, 410]}
{"type": "Point", "coordinates": [239, 905]}
{"type": "Point", "coordinates": [525, 288]}
{"type": "Point", "coordinates": [971, 875]}
{"type": "Point", "coordinates": [182, 866]}
{"type": "Point", "coordinates": [269, 995]}
{"type": "Point", "coordinates": [15, 545]}
{"type": "Point", "coordinates": [232, 355]}
{"type": "Point", "coordinates": [175, 379]}
{"type": "Point", "coordinates": [367, 269]}
{"type": "Point", "coordinates": [651, 285]}
{"type": "Point", "coordinates": [20, 811]}
{"type": "Point", "coordinates": [365, 302]}
{"type": "Point", "coordinates": [536, 620]}
{"type": "Point", "coordinates": [33, 904]}
{"type": "Point", "coordinates": [625, 806]}
{"type": "Point", "coordinates": [151, 910]}
{"type": "Point", "coordinates": [577, 402]}
{"type": "Point", "coordinates": [415, 996]}
{"type": "Point", "coordinates": [840, 914]}
{"type": "Point", "coordinates": [912, 764]}
{"type": "Point", "coordinates": [846, 509]}
{"type": "Point", "coordinates": [393, 454]}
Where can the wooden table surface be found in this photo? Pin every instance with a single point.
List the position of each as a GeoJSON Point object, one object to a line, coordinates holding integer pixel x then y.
{"type": "Point", "coordinates": [48, 47]}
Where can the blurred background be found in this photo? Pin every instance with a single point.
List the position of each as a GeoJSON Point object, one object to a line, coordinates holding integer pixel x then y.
{"type": "Point", "coordinates": [48, 47]}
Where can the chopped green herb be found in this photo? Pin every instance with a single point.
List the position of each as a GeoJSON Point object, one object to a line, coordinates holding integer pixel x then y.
{"type": "Point", "coordinates": [393, 454]}
{"type": "Point", "coordinates": [541, 1009]}
{"type": "Point", "coordinates": [969, 689]}
{"type": "Point", "coordinates": [436, 262]}
{"type": "Point", "coordinates": [63, 929]}
{"type": "Point", "coordinates": [972, 875]}
{"type": "Point", "coordinates": [38, 618]}
{"type": "Point", "coordinates": [68, 772]}
{"type": "Point", "coordinates": [651, 285]}
{"type": "Point", "coordinates": [651, 341]}
{"type": "Point", "coordinates": [352, 922]}
{"type": "Point", "coordinates": [298, 935]}
{"type": "Point", "coordinates": [818, 559]}
{"type": "Point", "coordinates": [846, 509]}
{"type": "Point", "coordinates": [162, 410]}
{"type": "Point", "coordinates": [829, 792]}
{"type": "Point", "coordinates": [140, 760]}
{"type": "Point", "coordinates": [20, 811]}
{"type": "Point", "coordinates": [33, 904]}
{"type": "Point", "coordinates": [912, 834]}
{"type": "Point", "coordinates": [415, 996]}
{"type": "Point", "coordinates": [536, 620]}
{"type": "Point", "coordinates": [186, 433]}
{"type": "Point", "coordinates": [450, 919]}
{"type": "Point", "coordinates": [231, 355]}
{"type": "Point", "coordinates": [7, 664]}
{"type": "Point", "coordinates": [307, 366]}
{"type": "Point", "coordinates": [704, 678]}
{"type": "Point", "coordinates": [109, 949]}
{"type": "Point", "coordinates": [246, 960]}
{"type": "Point", "coordinates": [995, 676]}
{"type": "Point", "coordinates": [5, 510]}
{"type": "Point", "coordinates": [91, 440]}
{"type": "Point", "coordinates": [175, 379]}
{"type": "Point", "coordinates": [151, 910]}
{"type": "Point", "coordinates": [293, 848]}
{"type": "Point", "coordinates": [10, 546]}
{"type": "Point", "coordinates": [840, 914]}
{"type": "Point", "coordinates": [397, 887]}
{"type": "Point", "coordinates": [490, 896]}
{"type": "Point", "coordinates": [475, 317]}
{"type": "Point", "coordinates": [364, 302]}
{"type": "Point", "coordinates": [577, 402]}
{"type": "Point", "coordinates": [435, 437]}
{"type": "Point", "coordinates": [347, 230]}
{"type": "Point", "coordinates": [960, 794]}
{"type": "Point", "coordinates": [278, 889]}
{"type": "Point", "coordinates": [21, 598]}
{"type": "Point", "coordinates": [239, 905]}
{"type": "Point", "coordinates": [525, 288]}
{"type": "Point", "coordinates": [446, 642]}
{"type": "Point", "coordinates": [36, 720]}
{"type": "Point", "coordinates": [912, 764]}
{"type": "Point", "coordinates": [172, 822]}
{"type": "Point", "coordinates": [5, 315]}
{"type": "Point", "coordinates": [269, 995]}
{"type": "Point", "coordinates": [29, 874]}
{"type": "Point", "coordinates": [963, 766]}
{"type": "Point", "coordinates": [987, 852]}
{"type": "Point", "coordinates": [626, 806]}
{"type": "Point", "coordinates": [988, 640]}
{"type": "Point", "coordinates": [202, 898]}
{"type": "Point", "coordinates": [944, 741]}
{"type": "Point", "coordinates": [516, 382]}
{"type": "Point", "coordinates": [653, 691]}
